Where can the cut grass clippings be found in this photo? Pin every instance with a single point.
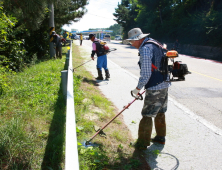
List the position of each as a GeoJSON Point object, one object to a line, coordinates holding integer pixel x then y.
{"type": "Point", "coordinates": [93, 111]}
{"type": "Point", "coordinates": [32, 114]}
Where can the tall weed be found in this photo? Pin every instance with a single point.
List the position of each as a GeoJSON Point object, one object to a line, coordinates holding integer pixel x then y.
{"type": "Point", "coordinates": [32, 113]}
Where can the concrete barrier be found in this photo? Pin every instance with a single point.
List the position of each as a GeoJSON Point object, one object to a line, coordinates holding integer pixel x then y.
{"type": "Point", "coordinates": [208, 52]}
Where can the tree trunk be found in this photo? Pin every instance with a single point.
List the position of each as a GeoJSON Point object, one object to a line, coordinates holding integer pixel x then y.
{"type": "Point", "coordinates": [211, 4]}
{"type": "Point", "coordinates": [160, 16]}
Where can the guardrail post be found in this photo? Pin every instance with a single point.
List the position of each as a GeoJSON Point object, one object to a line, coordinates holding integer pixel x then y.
{"type": "Point", "coordinates": [67, 61]}
{"type": "Point", "coordinates": [64, 76]}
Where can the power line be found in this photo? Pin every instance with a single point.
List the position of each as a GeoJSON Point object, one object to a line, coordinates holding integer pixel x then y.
{"type": "Point", "coordinates": [100, 16]}
{"type": "Point", "coordinates": [110, 4]}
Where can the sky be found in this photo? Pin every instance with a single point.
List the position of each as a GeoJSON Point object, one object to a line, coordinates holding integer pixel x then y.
{"type": "Point", "coordinates": [99, 15]}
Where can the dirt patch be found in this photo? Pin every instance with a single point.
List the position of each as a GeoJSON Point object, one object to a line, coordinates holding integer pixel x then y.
{"type": "Point", "coordinates": [91, 116]}
{"type": "Point", "coordinates": [95, 109]}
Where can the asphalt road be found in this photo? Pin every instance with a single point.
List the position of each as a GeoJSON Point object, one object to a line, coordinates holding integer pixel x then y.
{"type": "Point", "coordinates": [201, 92]}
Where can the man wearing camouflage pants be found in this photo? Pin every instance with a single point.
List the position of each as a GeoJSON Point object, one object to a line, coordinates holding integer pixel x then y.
{"type": "Point", "coordinates": [156, 97]}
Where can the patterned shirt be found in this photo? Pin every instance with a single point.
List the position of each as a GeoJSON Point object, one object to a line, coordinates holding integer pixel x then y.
{"type": "Point", "coordinates": [146, 68]}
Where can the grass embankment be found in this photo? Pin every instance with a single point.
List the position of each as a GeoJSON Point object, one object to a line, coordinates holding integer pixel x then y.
{"type": "Point", "coordinates": [32, 114]}
{"type": "Point", "coordinates": [93, 110]}
{"type": "Point", "coordinates": [32, 126]}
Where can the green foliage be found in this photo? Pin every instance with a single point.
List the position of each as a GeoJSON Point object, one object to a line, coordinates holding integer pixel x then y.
{"type": "Point", "coordinates": [125, 14]}
{"type": "Point", "coordinates": [15, 56]}
{"type": "Point", "coordinates": [68, 11]}
{"type": "Point", "coordinates": [32, 117]}
{"type": "Point", "coordinates": [118, 136]}
{"type": "Point", "coordinates": [5, 73]}
{"type": "Point", "coordinates": [92, 157]}
{"type": "Point", "coordinates": [31, 14]}
{"type": "Point", "coordinates": [26, 38]}
{"type": "Point", "coordinates": [12, 53]}
{"type": "Point", "coordinates": [117, 30]}
{"type": "Point", "coordinates": [192, 22]}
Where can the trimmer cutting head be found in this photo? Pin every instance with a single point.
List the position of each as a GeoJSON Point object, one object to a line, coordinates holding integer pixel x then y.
{"type": "Point", "coordinates": [89, 144]}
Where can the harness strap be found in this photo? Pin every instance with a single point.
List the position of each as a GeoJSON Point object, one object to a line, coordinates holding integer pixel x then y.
{"type": "Point", "coordinates": [155, 42]}
{"type": "Point", "coordinates": [158, 44]}
{"type": "Point", "coordinates": [153, 67]}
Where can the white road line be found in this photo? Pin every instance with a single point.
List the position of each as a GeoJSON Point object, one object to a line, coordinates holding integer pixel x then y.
{"type": "Point", "coordinates": [188, 112]}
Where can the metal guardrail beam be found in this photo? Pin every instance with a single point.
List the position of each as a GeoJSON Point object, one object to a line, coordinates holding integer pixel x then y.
{"type": "Point", "coordinates": [71, 151]}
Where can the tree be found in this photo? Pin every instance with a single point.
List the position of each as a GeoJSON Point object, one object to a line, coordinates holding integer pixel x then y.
{"type": "Point", "coordinates": [125, 14]}
{"type": "Point", "coordinates": [117, 29]}
{"type": "Point", "coordinates": [31, 13]}
{"type": "Point", "coordinates": [32, 24]}
{"type": "Point", "coordinates": [12, 53]}
{"type": "Point", "coordinates": [191, 21]}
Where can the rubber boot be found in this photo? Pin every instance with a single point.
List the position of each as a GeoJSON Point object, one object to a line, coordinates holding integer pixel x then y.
{"type": "Point", "coordinates": [100, 76]}
{"type": "Point", "coordinates": [144, 133]}
{"type": "Point", "coordinates": [160, 126]}
{"type": "Point", "coordinates": [107, 74]}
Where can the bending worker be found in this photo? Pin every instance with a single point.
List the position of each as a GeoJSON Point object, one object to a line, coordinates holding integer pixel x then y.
{"type": "Point", "coordinates": [58, 44]}
{"type": "Point", "coordinates": [156, 97]}
{"type": "Point", "coordinates": [102, 57]}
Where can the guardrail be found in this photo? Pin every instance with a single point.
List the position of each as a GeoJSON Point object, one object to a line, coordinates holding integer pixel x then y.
{"type": "Point", "coordinates": [71, 151]}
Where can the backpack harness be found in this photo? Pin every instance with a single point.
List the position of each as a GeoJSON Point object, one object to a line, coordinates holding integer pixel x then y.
{"type": "Point", "coordinates": [178, 69]}
{"type": "Point", "coordinates": [101, 48]}
{"type": "Point", "coordinates": [158, 74]}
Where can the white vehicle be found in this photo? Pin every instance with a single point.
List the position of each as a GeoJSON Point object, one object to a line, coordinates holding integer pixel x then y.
{"type": "Point", "coordinates": [77, 37]}
{"type": "Point", "coordinates": [107, 37]}
{"type": "Point", "coordinates": [85, 37]}
{"type": "Point", "coordinates": [118, 37]}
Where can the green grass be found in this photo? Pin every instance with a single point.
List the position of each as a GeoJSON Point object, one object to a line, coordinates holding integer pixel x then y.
{"type": "Point", "coordinates": [32, 126]}
{"type": "Point", "coordinates": [32, 113]}
{"type": "Point", "coordinates": [118, 136]}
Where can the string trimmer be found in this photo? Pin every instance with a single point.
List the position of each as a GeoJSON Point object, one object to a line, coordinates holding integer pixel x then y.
{"type": "Point", "coordinates": [110, 50]}
{"type": "Point", "coordinates": [100, 131]}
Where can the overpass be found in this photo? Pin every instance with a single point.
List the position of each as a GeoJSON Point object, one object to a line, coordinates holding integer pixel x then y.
{"type": "Point", "coordinates": [99, 33]}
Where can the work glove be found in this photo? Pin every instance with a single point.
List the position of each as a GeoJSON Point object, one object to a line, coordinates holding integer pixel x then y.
{"type": "Point", "coordinates": [92, 58]}
{"type": "Point", "coordinates": [135, 92]}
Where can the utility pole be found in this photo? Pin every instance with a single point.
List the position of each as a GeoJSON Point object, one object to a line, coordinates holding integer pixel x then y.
{"type": "Point", "coordinates": [51, 28]}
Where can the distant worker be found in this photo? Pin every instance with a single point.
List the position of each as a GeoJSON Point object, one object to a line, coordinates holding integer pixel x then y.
{"type": "Point", "coordinates": [58, 44]}
{"type": "Point", "coordinates": [81, 38]}
{"type": "Point", "coordinates": [101, 57]}
{"type": "Point", "coordinates": [62, 39]}
{"type": "Point", "coordinates": [72, 37]}
{"type": "Point", "coordinates": [176, 45]}
{"type": "Point", "coordinates": [65, 35]}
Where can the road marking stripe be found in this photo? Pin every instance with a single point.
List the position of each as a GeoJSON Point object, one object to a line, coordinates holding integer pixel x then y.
{"type": "Point", "coordinates": [205, 75]}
